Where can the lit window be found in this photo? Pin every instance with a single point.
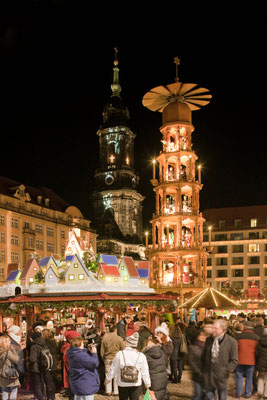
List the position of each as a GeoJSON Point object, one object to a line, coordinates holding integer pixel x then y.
{"type": "Point", "coordinates": [35, 268]}
{"type": "Point", "coordinates": [122, 267]}
{"type": "Point", "coordinates": [252, 248]}
{"type": "Point", "coordinates": [71, 277]}
{"type": "Point", "coordinates": [81, 277]}
{"type": "Point", "coordinates": [101, 275]}
{"type": "Point", "coordinates": [75, 265]}
{"type": "Point", "coordinates": [253, 222]}
{"type": "Point", "coordinates": [50, 276]}
{"type": "Point", "coordinates": [31, 280]}
{"type": "Point", "coordinates": [116, 279]}
{"type": "Point", "coordinates": [125, 278]}
{"type": "Point", "coordinates": [142, 281]}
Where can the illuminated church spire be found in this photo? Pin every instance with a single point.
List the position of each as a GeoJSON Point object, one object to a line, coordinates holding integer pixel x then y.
{"type": "Point", "coordinates": [115, 86]}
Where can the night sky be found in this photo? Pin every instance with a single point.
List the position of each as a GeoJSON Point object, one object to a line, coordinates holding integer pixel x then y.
{"type": "Point", "coordinates": [56, 60]}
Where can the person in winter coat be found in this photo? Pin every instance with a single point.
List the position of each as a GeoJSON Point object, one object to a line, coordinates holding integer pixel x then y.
{"type": "Point", "coordinates": [130, 356]}
{"type": "Point", "coordinates": [38, 373]}
{"type": "Point", "coordinates": [218, 359]}
{"type": "Point", "coordinates": [64, 348]}
{"type": "Point", "coordinates": [194, 361]}
{"type": "Point", "coordinates": [162, 335]}
{"type": "Point", "coordinates": [157, 363]}
{"type": "Point", "coordinates": [122, 326]}
{"type": "Point", "coordinates": [14, 333]}
{"type": "Point", "coordinates": [261, 363]}
{"type": "Point", "coordinates": [9, 386]}
{"type": "Point", "coordinates": [83, 376]}
{"type": "Point", "coordinates": [247, 342]}
{"type": "Point", "coordinates": [176, 358]}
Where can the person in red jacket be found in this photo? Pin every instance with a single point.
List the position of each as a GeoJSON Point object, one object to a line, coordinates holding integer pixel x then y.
{"type": "Point", "coordinates": [68, 335]}
{"type": "Point", "coordinates": [247, 342]}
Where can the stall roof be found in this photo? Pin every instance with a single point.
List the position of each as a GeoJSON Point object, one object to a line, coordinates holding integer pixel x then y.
{"type": "Point", "coordinates": [209, 298]}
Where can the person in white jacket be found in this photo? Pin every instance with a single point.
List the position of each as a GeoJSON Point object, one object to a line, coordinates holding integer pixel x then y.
{"type": "Point", "coordinates": [130, 391]}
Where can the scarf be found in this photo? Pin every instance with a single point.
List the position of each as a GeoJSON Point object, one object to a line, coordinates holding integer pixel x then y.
{"type": "Point", "coordinates": [215, 349]}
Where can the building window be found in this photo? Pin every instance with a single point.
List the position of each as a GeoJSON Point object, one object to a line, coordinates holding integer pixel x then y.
{"type": "Point", "coordinates": [222, 224]}
{"type": "Point", "coordinates": [39, 244]}
{"type": "Point", "coordinates": [39, 228]}
{"type": "Point", "coordinates": [222, 273]}
{"type": "Point", "coordinates": [264, 235]}
{"type": "Point", "coordinates": [2, 275]}
{"type": "Point", "coordinates": [50, 231]}
{"type": "Point", "coordinates": [62, 234]}
{"type": "Point", "coordinates": [50, 246]}
{"type": "Point", "coordinates": [253, 235]}
{"type": "Point", "coordinates": [2, 237]}
{"type": "Point", "coordinates": [209, 273]}
{"type": "Point", "coordinates": [14, 223]}
{"type": "Point", "coordinates": [236, 273]}
{"type": "Point", "coordinates": [63, 249]}
{"type": "Point", "coordinates": [221, 261]}
{"type": "Point", "coordinates": [15, 240]}
{"type": "Point", "coordinates": [237, 223]}
{"type": "Point", "coordinates": [50, 276]}
{"type": "Point", "coordinates": [236, 236]}
{"type": "Point", "coordinates": [2, 219]}
{"type": "Point", "coordinates": [14, 256]}
{"type": "Point", "coordinates": [253, 248]}
{"type": "Point", "coordinates": [209, 262]}
{"type": "Point", "coordinates": [75, 265]}
{"type": "Point", "coordinates": [254, 260]}
{"type": "Point", "coordinates": [238, 248]}
{"type": "Point", "coordinates": [237, 261]}
{"type": "Point", "coordinates": [220, 237]}
{"type": "Point", "coordinates": [71, 277]}
{"type": "Point", "coordinates": [253, 222]}
{"type": "Point", "coordinates": [3, 255]}
{"type": "Point", "coordinates": [253, 272]}
{"type": "Point", "coordinates": [30, 241]}
{"type": "Point", "coordinates": [31, 280]}
{"type": "Point", "coordinates": [81, 277]}
{"type": "Point", "coordinates": [222, 249]}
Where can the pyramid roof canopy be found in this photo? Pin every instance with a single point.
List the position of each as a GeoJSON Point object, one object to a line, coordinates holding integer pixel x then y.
{"type": "Point", "coordinates": [209, 298]}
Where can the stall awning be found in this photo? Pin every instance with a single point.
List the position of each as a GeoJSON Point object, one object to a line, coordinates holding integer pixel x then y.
{"type": "Point", "coordinates": [210, 298]}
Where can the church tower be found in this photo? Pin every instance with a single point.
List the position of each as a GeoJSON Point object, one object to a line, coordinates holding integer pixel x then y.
{"type": "Point", "coordinates": [117, 205]}
{"type": "Point", "coordinates": [177, 257]}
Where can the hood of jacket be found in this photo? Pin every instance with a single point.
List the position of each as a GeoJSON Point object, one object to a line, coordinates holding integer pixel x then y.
{"type": "Point", "coordinates": [154, 351]}
{"type": "Point", "coordinates": [40, 341]}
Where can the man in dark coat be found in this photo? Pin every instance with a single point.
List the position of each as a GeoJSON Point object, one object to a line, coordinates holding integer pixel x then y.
{"type": "Point", "coordinates": [261, 363]}
{"type": "Point", "coordinates": [122, 326]}
{"type": "Point", "coordinates": [219, 358]}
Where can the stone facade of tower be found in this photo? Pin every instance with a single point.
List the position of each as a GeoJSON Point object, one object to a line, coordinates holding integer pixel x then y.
{"type": "Point", "coordinates": [177, 257]}
{"type": "Point", "coordinates": [116, 203]}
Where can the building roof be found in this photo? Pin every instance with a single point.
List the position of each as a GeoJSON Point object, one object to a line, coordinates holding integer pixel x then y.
{"type": "Point", "coordinates": [13, 276]}
{"type": "Point", "coordinates": [129, 263]}
{"type": "Point", "coordinates": [142, 272]}
{"type": "Point", "coordinates": [8, 186]}
{"type": "Point", "coordinates": [143, 264]}
{"type": "Point", "coordinates": [108, 259]}
{"type": "Point", "coordinates": [110, 270]}
{"type": "Point", "coordinates": [27, 267]}
{"type": "Point", "coordinates": [12, 267]}
{"type": "Point", "coordinates": [45, 260]}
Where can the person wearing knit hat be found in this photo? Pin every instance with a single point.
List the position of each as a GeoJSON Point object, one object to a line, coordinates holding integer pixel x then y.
{"type": "Point", "coordinates": [70, 335]}
{"type": "Point", "coordinates": [161, 329]}
{"type": "Point", "coordinates": [65, 365]}
{"type": "Point", "coordinates": [130, 356]}
{"type": "Point", "coordinates": [14, 333]}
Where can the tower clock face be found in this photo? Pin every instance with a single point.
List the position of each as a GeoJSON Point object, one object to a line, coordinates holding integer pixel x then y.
{"type": "Point", "coordinates": [109, 179]}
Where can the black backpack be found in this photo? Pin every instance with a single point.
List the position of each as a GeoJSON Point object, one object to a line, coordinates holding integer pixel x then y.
{"type": "Point", "coordinates": [46, 359]}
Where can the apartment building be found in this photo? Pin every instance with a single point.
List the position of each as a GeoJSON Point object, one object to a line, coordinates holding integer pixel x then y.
{"type": "Point", "coordinates": [238, 240]}
{"type": "Point", "coordinates": [35, 222]}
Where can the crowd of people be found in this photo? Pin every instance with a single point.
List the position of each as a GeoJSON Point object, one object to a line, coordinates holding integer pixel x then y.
{"type": "Point", "coordinates": [128, 359]}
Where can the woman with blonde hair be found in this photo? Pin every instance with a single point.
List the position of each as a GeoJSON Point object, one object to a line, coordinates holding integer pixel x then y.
{"type": "Point", "coordinates": [8, 355]}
